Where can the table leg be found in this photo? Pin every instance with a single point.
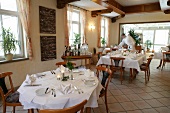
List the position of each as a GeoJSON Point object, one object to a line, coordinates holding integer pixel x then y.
{"type": "Point", "coordinates": [160, 64]}
{"type": "Point", "coordinates": [88, 110]}
{"type": "Point", "coordinates": [131, 75]}
{"type": "Point", "coordinates": [30, 110]}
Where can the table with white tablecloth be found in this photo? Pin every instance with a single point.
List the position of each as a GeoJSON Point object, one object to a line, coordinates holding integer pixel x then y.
{"type": "Point", "coordinates": [128, 62]}
{"type": "Point", "coordinates": [29, 99]}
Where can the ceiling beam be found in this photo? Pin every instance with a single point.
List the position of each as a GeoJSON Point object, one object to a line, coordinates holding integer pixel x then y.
{"type": "Point", "coordinates": [152, 7]}
{"type": "Point", "coordinates": [61, 3]}
{"type": "Point", "coordinates": [98, 12]}
{"type": "Point", "coordinates": [117, 17]}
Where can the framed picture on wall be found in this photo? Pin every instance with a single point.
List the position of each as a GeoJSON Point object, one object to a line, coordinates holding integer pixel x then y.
{"type": "Point", "coordinates": [47, 19]}
{"type": "Point", "coordinates": [48, 47]}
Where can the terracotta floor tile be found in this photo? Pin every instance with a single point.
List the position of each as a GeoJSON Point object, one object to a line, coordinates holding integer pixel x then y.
{"type": "Point", "coordinates": [148, 89]}
{"type": "Point", "coordinates": [135, 111]}
{"type": "Point", "coordinates": [111, 100]}
{"type": "Point", "coordinates": [116, 92]}
{"type": "Point", "coordinates": [165, 87]}
{"type": "Point", "coordinates": [149, 111]}
{"type": "Point", "coordinates": [122, 98]}
{"type": "Point", "coordinates": [165, 93]}
{"type": "Point", "coordinates": [133, 97]}
{"type": "Point", "coordinates": [121, 86]}
{"type": "Point", "coordinates": [157, 88]}
{"type": "Point", "coordinates": [128, 106]}
{"type": "Point", "coordinates": [156, 95]}
{"type": "Point", "coordinates": [116, 107]}
{"type": "Point", "coordinates": [145, 96]}
{"type": "Point", "coordinates": [127, 91]}
{"type": "Point", "coordinates": [141, 104]}
{"type": "Point", "coordinates": [165, 101]}
{"type": "Point", "coordinates": [138, 90]}
{"type": "Point", "coordinates": [163, 109]}
{"type": "Point", "coordinates": [154, 103]}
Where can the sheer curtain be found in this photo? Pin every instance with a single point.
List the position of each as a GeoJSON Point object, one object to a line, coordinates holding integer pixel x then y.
{"type": "Point", "coordinates": [99, 31]}
{"type": "Point", "coordinates": [24, 14]}
{"type": "Point", "coordinates": [107, 30]}
{"type": "Point", "coordinates": [68, 23]}
{"type": "Point", "coordinates": [83, 15]}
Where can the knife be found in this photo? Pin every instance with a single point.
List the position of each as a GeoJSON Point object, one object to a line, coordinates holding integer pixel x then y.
{"type": "Point", "coordinates": [34, 85]}
{"type": "Point", "coordinates": [46, 90]}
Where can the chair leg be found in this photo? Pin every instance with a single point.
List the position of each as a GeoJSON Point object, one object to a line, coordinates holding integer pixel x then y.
{"type": "Point", "coordinates": [145, 77]}
{"type": "Point", "coordinates": [163, 65]}
{"type": "Point", "coordinates": [106, 102]}
{"type": "Point", "coordinates": [4, 108]}
{"type": "Point", "coordinates": [13, 109]}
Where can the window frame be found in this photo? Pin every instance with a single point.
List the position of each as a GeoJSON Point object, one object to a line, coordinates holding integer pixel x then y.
{"type": "Point", "coordinates": [21, 38]}
{"type": "Point", "coordinates": [104, 28]}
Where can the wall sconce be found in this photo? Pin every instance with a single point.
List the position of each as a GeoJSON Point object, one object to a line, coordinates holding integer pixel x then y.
{"type": "Point", "coordinates": [92, 27]}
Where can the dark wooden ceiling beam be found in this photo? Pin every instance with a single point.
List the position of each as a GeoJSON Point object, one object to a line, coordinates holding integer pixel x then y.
{"type": "Point", "coordinates": [152, 7]}
{"type": "Point", "coordinates": [62, 3]}
{"type": "Point", "coordinates": [98, 12]}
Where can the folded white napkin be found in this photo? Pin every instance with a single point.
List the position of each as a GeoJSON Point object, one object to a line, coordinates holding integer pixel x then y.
{"type": "Point", "coordinates": [30, 79]}
{"type": "Point", "coordinates": [62, 68]}
{"type": "Point", "coordinates": [66, 89]}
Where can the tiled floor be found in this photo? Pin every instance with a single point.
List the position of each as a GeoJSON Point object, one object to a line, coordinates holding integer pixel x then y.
{"type": "Point", "coordinates": [135, 97]}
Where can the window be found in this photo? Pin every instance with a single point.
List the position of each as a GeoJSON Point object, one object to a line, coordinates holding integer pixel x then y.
{"type": "Point", "coordinates": [9, 19]}
{"type": "Point", "coordinates": [104, 30]}
{"type": "Point", "coordinates": [74, 25]}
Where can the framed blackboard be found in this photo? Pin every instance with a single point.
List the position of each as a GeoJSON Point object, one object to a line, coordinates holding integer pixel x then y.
{"type": "Point", "coordinates": [47, 19]}
{"type": "Point", "coordinates": [48, 47]}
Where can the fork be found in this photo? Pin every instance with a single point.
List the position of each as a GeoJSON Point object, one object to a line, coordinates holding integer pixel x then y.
{"type": "Point", "coordinates": [77, 89]}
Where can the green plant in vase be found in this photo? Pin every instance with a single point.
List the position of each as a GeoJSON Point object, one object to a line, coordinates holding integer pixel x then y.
{"type": "Point", "coordinates": [103, 41]}
{"type": "Point", "coordinates": [70, 66]}
{"type": "Point", "coordinates": [9, 43]}
{"type": "Point", "coordinates": [135, 36]}
{"type": "Point", "coordinates": [148, 44]}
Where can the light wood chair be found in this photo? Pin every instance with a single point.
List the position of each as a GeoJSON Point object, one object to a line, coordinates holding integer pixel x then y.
{"type": "Point", "coordinates": [108, 51]}
{"type": "Point", "coordinates": [64, 64]}
{"type": "Point", "coordinates": [9, 96]}
{"type": "Point", "coordinates": [146, 68]}
{"type": "Point", "coordinates": [165, 59]}
{"type": "Point", "coordinates": [117, 65]}
{"type": "Point", "coordinates": [73, 109]}
{"type": "Point", "coordinates": [107, 73]}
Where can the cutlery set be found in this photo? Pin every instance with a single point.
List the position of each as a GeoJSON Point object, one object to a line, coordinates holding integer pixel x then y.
{"type": "Point", "coordinates": [52, 72]}
{"type": "Point", "coordinates": [52, 90]}
{"type": "Point", "coordinates": [79, 90]}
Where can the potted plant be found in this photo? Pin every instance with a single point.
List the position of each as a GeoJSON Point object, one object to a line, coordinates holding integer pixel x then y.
{"type": "Point", "coordinates": [9, 43]}
{"type": "Point", "coordinates": [135, 37]}
{"type": "Point", "coordinates": [77, 39]}
{"type": "Point", "coordinates": [148, 44]}
{"type": "Point", "coordinates": [103, 42]}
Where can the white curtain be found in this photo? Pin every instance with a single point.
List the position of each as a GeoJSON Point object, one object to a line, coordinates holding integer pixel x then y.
{"type": "Point", "coordinates": [83, 14]}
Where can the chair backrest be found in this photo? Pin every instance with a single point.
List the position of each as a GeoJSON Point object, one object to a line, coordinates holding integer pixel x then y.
{"type": "Point", "coordinates": [99, 54]}
{"type": "Point", "coordinates": [138, 48]}
{"type": "Point", "coordinates": [166, 56]}
{"type": "Point", "coordinates": [107, 73]}
{"type": "Point", "coordinates": [64, 64]}
{"type": "Point", "coordinates": [148, 61]}
{"type": "Point", "coordinates": [117, 61]}
{"type": "Point", "coordinates": [107, 51]}
{"type": "Point", "coordinates": [3, 89]}
{"type": "Point", "coordinates": [73, 109]}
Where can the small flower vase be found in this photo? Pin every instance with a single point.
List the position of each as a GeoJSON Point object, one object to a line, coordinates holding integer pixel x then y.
{"type": "Point", "coordinates": [71, 77]}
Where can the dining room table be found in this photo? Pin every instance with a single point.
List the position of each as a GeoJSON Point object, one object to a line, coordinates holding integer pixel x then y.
{"type": "Point", "coordinates": [132, 61]}
{"type": "Point", "coordinates": [49, 91]}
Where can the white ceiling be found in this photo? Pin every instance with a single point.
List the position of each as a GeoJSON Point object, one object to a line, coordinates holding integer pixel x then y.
{"type": "Point", "coordinates": [91, 6]}
{"type": "Point", "coordinates": [88, 5]}
{"type": "Point", "coordinates": [135, 2]}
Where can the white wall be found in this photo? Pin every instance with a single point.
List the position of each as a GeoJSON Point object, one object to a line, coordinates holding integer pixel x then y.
{"type": "Point", "coordinates": [21, 68]}
{"type": "Point", "coordinates": [142, 17]}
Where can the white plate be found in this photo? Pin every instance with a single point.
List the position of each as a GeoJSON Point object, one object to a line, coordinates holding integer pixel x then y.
{"type": "Point", "coordinates": [41, 91]}
{"type": "Point", "coordinates": [76, 71]}
{"type": "Point", "coordinates": [90, 84]}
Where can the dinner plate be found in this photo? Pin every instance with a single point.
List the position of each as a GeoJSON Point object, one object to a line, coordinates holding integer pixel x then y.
{"type": "Point", "coordinates": [41, 91]}
{"type": "Point", "coordinates": [90, 84]}
{"type": "Point", "coordinates": [76, 71]}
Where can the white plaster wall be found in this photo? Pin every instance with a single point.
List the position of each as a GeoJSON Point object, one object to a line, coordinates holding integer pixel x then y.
{"type": "Point", "coordinates": [142, 17]}
{"type": "Point", "coordinates": [21, 68]}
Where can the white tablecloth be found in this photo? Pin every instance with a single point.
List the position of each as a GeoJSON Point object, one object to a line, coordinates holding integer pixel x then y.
{"type": "Point", "coordinates": [29, 99]}
{"type": "Point", "coordinates": [158, 54]}
{"type": "Point", "coordinates": [128, 62]}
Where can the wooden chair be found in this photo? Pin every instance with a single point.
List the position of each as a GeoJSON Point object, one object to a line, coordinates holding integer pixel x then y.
{"type": "Point", "coordinates": [117, 65]}
{"type": "Point", "coordinates": [99, 54]}
{"type": "Point", "coordinates": [64, 64]}
{"type": "Point", "coordinates": [139, 49]}
{"type": "Point", "coordinates": [107, 73]}
{"type": "Point", "coordinates": [166, 58]}
{"type": "Point", "coordinates": [9, 96]}
{"type": "Point", "coordinates": [108, 51]}
{"type": "Point", "coordinates": [73, 109]}
{"type": "Point", "coordinates": [146, 68]}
